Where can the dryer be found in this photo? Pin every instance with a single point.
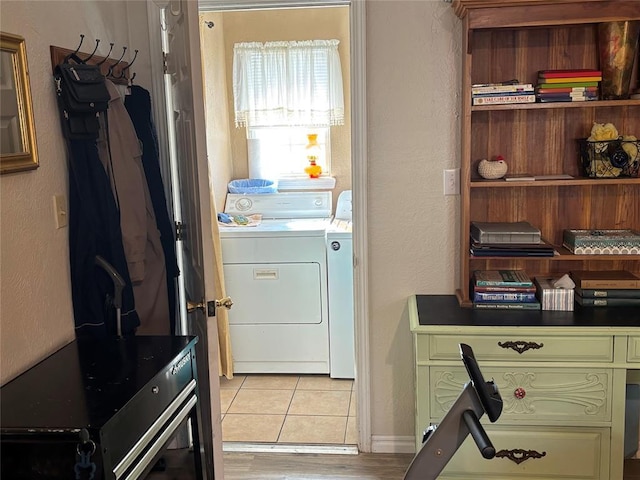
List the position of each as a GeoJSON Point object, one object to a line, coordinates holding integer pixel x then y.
{"type": "Point", "coordinates": [340, 290]}
{"type": "Point", "coordinates": [275, 272]}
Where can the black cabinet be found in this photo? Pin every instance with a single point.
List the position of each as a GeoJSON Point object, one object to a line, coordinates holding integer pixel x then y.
{"type": "Point", "coordinates": [106, 407]}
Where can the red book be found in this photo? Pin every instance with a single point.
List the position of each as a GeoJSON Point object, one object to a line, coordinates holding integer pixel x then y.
{"type": "Point", "coordinates": [579, 72]}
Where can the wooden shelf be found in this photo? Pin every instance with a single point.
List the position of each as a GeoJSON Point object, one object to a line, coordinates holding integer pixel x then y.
{"type": "Point", "coordinates": [576, 182]}
{"type": "Point", "coordinates": [564, 255]}
{"type": "Point", "coordinates": [504, 39]}
{"type": "Point", "coordinates": [556, 105]}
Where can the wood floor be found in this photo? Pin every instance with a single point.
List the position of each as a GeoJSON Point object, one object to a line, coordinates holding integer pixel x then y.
{"type": "Point", "coordinates": [286, 466]}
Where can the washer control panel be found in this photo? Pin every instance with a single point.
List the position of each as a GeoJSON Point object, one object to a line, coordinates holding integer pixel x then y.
{"type": "Point", "coordinates": [281, 205]}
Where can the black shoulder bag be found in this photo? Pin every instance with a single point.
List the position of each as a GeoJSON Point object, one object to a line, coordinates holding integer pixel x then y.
{"type": "Point", "coordinates": [82, 94]}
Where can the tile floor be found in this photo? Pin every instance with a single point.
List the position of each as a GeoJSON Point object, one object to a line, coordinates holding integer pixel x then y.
{"type": "Point", "coordinates": [307, 409]}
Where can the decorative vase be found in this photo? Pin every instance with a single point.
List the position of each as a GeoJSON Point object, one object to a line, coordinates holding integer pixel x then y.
{"type": "Point", "coordinates": [617, 44]}
{"type": "Point", "coordinates": [492, 169]}
{"type": "Point", "coordinates": [313, 151]}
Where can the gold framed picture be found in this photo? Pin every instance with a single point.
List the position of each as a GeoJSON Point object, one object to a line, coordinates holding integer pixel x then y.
{"type": "Point", "coordinates": [18, 149]}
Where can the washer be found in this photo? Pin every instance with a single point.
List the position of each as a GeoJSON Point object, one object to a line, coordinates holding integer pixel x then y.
{"type": "Point", "coordinates": [340, 287]}
{"type": "Point", "coordinates": [276, 274]}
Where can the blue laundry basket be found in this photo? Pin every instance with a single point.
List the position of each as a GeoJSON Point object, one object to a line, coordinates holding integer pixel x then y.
{"type": "Point", "coordinates": [252, 185]}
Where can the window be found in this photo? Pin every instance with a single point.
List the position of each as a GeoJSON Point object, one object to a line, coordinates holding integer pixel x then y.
{"type": "Point", "coordinates": [280, 152]}
{"type": "Point", "coordinates": [284, 91]}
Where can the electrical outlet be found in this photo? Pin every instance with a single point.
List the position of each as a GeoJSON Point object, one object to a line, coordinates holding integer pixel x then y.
{"type": "Point", "coordinates": [60, 210]}
{"type": "Point", "coordinates": [452, 181]}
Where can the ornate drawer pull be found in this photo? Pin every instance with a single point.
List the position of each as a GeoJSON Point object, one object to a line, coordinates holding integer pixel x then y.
{"type": "Point", "coordinates": [520, 346]}
{"type": "Point", "coordinates": [519, 393]}
{"type": "Point", "coordinates": [518, 455]}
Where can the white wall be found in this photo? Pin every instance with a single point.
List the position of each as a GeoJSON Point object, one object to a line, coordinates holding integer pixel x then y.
{"type": "Point", "coordinates": [413, 65]}
{"type": "Point", "coordinates": [35, 295]}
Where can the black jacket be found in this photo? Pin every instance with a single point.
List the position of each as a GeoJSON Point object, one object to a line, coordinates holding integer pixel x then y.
{"type": "Point", "coordinates": [94, 229]}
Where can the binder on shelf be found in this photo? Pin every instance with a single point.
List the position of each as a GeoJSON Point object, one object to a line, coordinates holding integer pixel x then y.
{"type": "Point", "coordinates": [504, 232]}
{"type": "Point", "coordinates": [605, 279]}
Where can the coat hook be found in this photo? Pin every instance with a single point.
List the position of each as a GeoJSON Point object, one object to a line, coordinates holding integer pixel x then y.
{"type": "Point", "coordinates": [106, 56]}
{"type": "Point", "coordinates": [122, 72]}
{"type": "Point", "coordinates": [74, 54]}
{"type": "Point", "coordinates": [94, 51]}
{"type": "Point", "coordinates": [209, 24]}
{"type": "Point", "coordinates": [110, 72]}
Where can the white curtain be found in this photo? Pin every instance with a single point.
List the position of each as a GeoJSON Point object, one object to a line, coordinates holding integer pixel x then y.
{"type": "Point", "coordinates": [288, 84]}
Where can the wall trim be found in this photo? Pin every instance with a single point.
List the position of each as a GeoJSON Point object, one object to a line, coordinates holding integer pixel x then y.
{"type": "Point", "coordinates": [393, 444]}
{"type": "Point", "coordinates": [226, 5]}
{"type": "Point", "coordinates": [359, 187]}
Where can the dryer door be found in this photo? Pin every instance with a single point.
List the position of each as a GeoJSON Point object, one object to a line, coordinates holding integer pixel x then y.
{"type": "Point", "coordinates": [274, 293]}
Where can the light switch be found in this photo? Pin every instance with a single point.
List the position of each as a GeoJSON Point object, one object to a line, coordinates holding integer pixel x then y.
{"type": "Point", "coordinates": [452, 181]}
{"type": "Point", "coordinates": [60, 210]}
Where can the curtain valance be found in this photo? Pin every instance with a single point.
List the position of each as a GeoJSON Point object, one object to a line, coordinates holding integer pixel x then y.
{"type": "Point", "coordinates": [296, 83]}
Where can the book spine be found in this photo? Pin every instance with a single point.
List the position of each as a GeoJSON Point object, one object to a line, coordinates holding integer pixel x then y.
{"type": "Point", "coordinates": [569, 99]}
{"type": "Point", "coordinates": [568, 90]}
{"type": "Point", "coordinates": [499, 283]}
{"type": "Point", "coordinates": [607, 302]}
{"type": "Point", "coordinates": [613, 293]}
{"type": "Point", "coordinates": [567, 85]}
{"type": "Point", "coordinates": [570, 79]}
{"type": "Point", "coordinates": [567, 94]}
{"type": "Point", "coordinates": [609, 284]}
{"type": "Point", "coordinates": [482, 297]}
{"type": "Point", "coordinates": [507, 306]}
{"type": "Point", "coordinates": [578, 72]}
{"type": "Point", "coordinates": [506, 289]}
{"type": "Point", "coordinates": [502, 89]}
{"type": "Point", "coordinates": [504, 99]}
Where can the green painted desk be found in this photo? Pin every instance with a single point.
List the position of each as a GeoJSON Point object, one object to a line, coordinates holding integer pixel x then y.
{"type": "Point", "coordinates": [562, 376]}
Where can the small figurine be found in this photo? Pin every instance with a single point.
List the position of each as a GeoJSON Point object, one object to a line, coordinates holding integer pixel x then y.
{"type": "Point", "coordinates": [492, 169]}
{"type": "Point", "coordinates": [313, 149]}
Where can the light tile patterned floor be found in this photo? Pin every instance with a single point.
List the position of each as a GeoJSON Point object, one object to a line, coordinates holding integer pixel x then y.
{"type": "Point", "coordinates": [306, 409]}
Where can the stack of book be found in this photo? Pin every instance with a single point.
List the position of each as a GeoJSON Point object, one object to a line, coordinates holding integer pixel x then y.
{"type": "Point", "coordinates": [502, 93]}
{"type": "Point", "coordinates": [504, 289]}
{"type": "Point", "coordinates": [577, 85]}
{"type": "Point", "coordinates": [613, 288]}
{"type": "Point", "coordinates": [507, 239]}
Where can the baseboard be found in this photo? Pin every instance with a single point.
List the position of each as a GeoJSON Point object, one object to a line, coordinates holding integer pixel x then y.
{"type": "Point", "coordinates": [392, 444]}
{"type": "Point", "coordinates": [246, 447]}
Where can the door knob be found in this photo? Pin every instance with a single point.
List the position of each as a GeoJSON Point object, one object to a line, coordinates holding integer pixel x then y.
{"type": "Point", "coordinates": [209, 307]}
{"type": "Point", "coordinates": [225, 302]}
{"type": "Point", "coordinates": [193, 306]}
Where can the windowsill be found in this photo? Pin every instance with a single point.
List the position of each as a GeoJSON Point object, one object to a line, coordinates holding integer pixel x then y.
{"type": "Point", "coordinates": [306, 183]}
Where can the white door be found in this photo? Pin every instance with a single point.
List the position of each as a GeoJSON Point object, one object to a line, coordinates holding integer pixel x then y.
{"type": "Point", "coordinates": [192, 205]}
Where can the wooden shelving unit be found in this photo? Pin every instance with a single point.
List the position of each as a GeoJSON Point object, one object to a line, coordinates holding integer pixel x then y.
{"type": "Point", "coordinates": [515, 39]}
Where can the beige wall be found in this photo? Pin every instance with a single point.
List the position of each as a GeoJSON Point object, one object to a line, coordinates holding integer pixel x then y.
{"type": "Point", "coordinates": [219, 119]}
{"type": "Point", "coordinates": [413, 59]}
{"type": "Point", "coordinates": [413, 80]}
{"type": "Point", "coordinates": [35, 299]}
{"type": "Point", "coordinates": [294, 24]}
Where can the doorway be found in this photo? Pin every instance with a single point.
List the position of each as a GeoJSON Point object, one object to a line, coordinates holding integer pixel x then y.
{"type": "Point", "coordinates": [227, 150]}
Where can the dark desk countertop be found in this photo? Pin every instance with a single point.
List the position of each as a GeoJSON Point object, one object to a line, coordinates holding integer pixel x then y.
{"type": "Point", "coordinates": [445, 310]}
{"type": "Point", "coordinates": [84, 383]}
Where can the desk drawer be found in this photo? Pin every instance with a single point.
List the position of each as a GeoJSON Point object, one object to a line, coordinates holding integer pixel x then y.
{"type": "Point", "coordinates": [543, 453]}
{"type": "Point", "coordinates": [130, 424]}
{"type": "Point", "coordinates": [519, 348]}
{"type": "Point", "coordinates": [545, 395]}
{"type": "Point", "coordinates": [633, 353]}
